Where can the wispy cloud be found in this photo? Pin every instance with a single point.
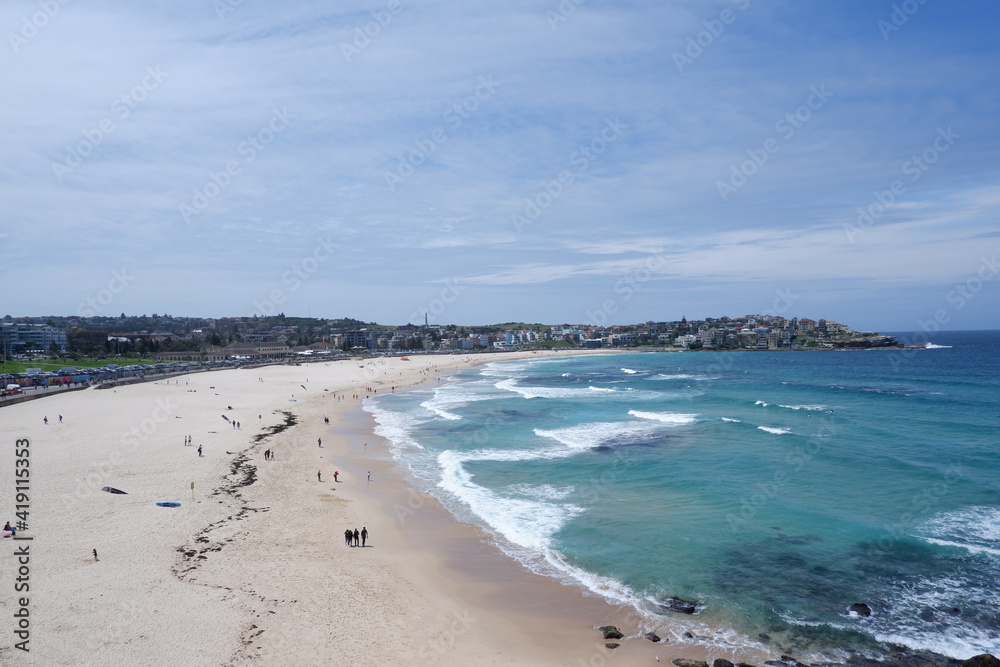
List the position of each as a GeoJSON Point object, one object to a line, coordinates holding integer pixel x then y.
{"type": "Point", "coordinates": [414, 79]}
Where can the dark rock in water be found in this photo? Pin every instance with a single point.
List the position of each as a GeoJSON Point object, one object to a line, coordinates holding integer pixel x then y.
{"type": "Point", "coordinates": [611, 645]}
{"type": "Point", "coordinates": [765, 637]}
{"type": "Point", "coordinates": [922, 659]}
{"type": "Point", "coordinates": [861, 609]}
{"type": "Point", "coordinates": [678, 605]}
{"type": "Point", "coordinates": [688, 635]}
{"type": "Point", "coordinates": [685, 662]}
{"type": "Point", "coordinates": [611, 632]}
{"type": "Point", "coordinates": [722, 662]}
{"type": "Point", "coordinates": [955, 611]}
{"type": "Point", "coordinates": [652, 636]}
{"type": "Point", "coordinates": [776, 663]}
{"type": "Point", "coordinates": [984, 660]}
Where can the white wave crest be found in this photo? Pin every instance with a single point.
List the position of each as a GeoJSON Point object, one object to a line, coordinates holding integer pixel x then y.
{"type": "Point", "coordinates": [665, 417]}
{"type": "Point", "coordinates": [596, 434]}
{"type": "Point", "coordinates": [527, 523]}
{"type": "Point", "coordinates": [775, 430]}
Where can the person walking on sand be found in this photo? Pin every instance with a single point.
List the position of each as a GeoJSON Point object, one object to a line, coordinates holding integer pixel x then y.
{"type": "Point", "coordinates": [369, 475]}
{"type": "Point", "coordinates": [95, 556]}
{"type": "Point", "coordinates": [357, 537]}
{"type": "Point", "coordinates": [364, 535]}
{"type": "Point", "coordinates": [335, 473]}
{"type": "Point", "coordinates": [199, 450]}
{"type": "Point", "coordinates": [348, 536]}
{"type": "Point", "coordinates": [319, 441]}
{"type": "Point", "coordinates": [319, 475]}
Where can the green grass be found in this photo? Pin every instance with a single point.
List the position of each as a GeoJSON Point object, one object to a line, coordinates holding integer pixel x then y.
{"type": "Point", "coordinates": [56, 364]}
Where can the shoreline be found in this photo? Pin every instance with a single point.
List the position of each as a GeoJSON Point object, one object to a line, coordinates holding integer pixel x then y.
{"type": "Point", "coordinates": [252, 568]}
{"type": "Point", "coordinates": [561, 618]}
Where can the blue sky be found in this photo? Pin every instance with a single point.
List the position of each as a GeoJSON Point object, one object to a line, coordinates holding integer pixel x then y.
{"type": "Point", "coordinates": [582, 161]}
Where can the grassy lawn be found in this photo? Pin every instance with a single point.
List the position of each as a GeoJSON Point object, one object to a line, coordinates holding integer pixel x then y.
{"type": "Point", "coordinates": [56, 364]}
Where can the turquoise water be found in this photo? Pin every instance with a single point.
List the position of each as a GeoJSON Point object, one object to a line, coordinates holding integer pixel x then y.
{"type": "Point", "coordinates": [774, 488]}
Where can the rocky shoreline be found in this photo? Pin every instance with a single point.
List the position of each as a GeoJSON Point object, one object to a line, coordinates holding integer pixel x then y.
{"type": "Point", "coordinates": [902, 658]}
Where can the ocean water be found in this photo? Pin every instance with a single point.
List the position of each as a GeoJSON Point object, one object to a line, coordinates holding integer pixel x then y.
{"type": "Point", "coordinates": [773, 488]}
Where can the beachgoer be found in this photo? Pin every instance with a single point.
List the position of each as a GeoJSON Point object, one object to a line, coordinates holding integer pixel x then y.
{"type": "Point", "coordinates": [364, 535]}
{"type": "Point", "coordinates": [369, 475]}
{"type": "Point", "coordinates": [7, 528]}
{"type": "Point", "coordinates": [95, 555]}
{"type": "Point", "coordinates": [348, 536]}
{"type": "Point", "coordinates": [319, 475]}
{"type": "Point", "coordinates": [45, 420]}
{"type": "Point", "coordinates": [199, 450]}
{"type": "Point", "coordinates": [357, 537]}
{"type": "Point", "coordinates": [60, 419]}
{"type": "Point", "coordinates": [319, 441]}
{"type": "Point", "coordinates": [335, 473]}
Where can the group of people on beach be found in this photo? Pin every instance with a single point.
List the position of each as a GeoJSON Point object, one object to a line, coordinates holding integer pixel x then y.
{"type": "Point", "coordinates": [351, 537]}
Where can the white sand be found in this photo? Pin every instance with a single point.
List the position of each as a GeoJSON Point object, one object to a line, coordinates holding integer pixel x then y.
{"type": "Point", "coordinates": [256, 575]}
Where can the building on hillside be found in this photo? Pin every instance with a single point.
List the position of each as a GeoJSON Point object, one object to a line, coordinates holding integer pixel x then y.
{"type": "Point", "coordinates": [18, 336]}
{"type": "Point", "coordinates": [259, 351]}
{"type": "Point", "coordinates": [212, 353]}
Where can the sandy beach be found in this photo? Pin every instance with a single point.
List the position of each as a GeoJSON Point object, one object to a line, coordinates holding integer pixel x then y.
{"type": "Point", "coordinates": [252, 568]}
